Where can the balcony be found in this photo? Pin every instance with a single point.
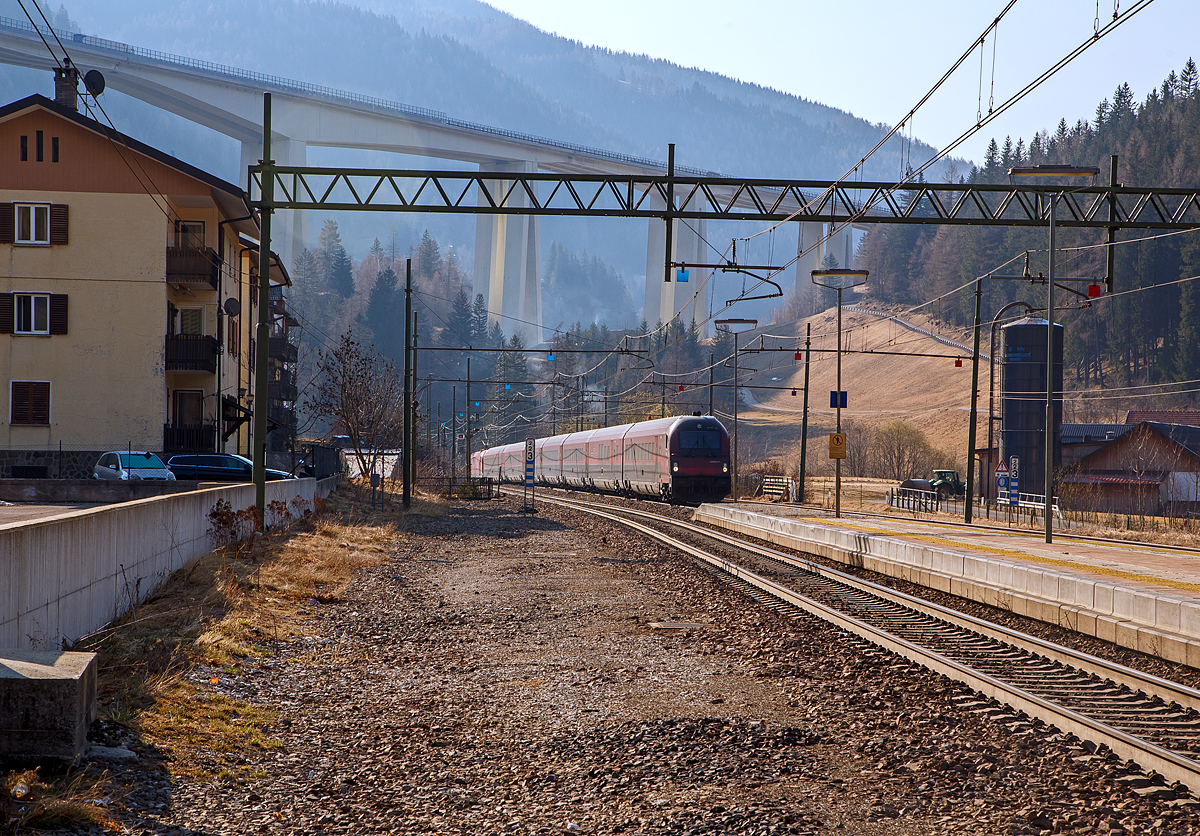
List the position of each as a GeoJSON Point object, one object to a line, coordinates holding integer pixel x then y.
{"type": "Point", "coordinates": [189, 438]}
{"type": "Point", "coordinates": [191, 353]}
{"type": "Point", "coordinates": [280, 348]}
{"type": "Point", "coordinates": [193, 267]}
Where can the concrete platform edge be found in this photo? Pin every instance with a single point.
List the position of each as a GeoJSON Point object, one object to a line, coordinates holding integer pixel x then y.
{"type": "Point", "coordinates": [1151, 621]}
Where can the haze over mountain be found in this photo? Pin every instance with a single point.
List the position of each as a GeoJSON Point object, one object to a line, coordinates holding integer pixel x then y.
{"type": "Point", "coordinates": [474, 62]}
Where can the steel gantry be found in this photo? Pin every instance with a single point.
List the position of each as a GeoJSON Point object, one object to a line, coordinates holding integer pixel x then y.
{"type": "Point", "coordinates": [721, 198]}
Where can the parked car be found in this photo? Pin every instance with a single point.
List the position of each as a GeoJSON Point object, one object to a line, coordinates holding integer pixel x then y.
{"type": "Point", "coordinates": [132, 465]}
{"type": "Point", "coordinates": [218, 467]}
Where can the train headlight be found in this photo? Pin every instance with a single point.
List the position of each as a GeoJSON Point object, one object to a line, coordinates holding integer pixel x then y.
{"type": "Point", "coordinates": [675, 467]}
{"type": "Point", "coordinates": [725, 467]}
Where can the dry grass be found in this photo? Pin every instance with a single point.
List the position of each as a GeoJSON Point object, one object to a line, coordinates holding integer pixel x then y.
{"type": "Point", "coordinates": [234, 604]}
{"type": "Point", "coordinates": [31, 801]}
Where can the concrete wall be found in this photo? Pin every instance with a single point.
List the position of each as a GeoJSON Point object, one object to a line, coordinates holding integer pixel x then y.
{"type": "Point", "coordinates": [1150, 620]}
{"type": "Point", "coordinates": [66, 576]}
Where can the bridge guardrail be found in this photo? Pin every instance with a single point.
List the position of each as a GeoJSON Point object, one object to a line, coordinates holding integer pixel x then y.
{"type": "Point", "coordinates": [340, 95]}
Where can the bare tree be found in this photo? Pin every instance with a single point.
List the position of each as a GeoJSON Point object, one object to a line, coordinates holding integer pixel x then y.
{"type": "Point", "coordinates": [901, 451]}
{"type": "Point", "coordinates": [359, 393]}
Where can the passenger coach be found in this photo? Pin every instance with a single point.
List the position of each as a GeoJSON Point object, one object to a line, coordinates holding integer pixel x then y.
{"type": "Point", "coordinates": [683, 459]}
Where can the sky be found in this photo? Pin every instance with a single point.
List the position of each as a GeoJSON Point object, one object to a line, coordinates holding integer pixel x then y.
{"type": "Point", "coordinates": [877, 58]}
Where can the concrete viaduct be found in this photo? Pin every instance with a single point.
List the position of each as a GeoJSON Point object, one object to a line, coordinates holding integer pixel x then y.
{"type": "Point", "coordinates": [506, 270]}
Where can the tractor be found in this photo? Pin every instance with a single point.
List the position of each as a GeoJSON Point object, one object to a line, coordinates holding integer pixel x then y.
{"type": "Point", "coordinates": [947, 484]}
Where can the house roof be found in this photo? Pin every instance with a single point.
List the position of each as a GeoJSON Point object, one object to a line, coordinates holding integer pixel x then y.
{"type": "Point", "coordinates": [232, 199]}
{"type": "Point", "coordinates": [1092, 433]}
{"type": "Point", "coordinates": [1190, 417]}
{"type": "Point", "coordinates": [1185, 435]}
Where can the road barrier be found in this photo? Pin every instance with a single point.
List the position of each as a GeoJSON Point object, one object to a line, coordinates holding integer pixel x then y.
{"type": "Point", "coordinates": [66, 576]}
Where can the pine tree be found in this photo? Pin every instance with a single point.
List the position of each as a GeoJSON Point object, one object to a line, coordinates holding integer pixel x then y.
{"type": "Point", "coordinates": [1102, 111]}
{"type": "Point", "coordinates": [336, 269]}
{"type": "Point", "coordinates": [459, 326]}
{"type": "Point", "coordinates": [385, 314]}
{"type": "Point", "coordinates": [1188, 79]}
{"type": "Point", "coordinates": [429, 259]}
{"type": "Point", "coordinates": [479, 321]}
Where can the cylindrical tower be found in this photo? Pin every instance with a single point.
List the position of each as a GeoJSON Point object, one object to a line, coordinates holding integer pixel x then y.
{"type": "Point", "coordinates": [1023, 399]}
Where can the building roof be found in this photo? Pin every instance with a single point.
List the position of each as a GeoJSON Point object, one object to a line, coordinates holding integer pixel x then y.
{"type": "Point", "coordinates": [1190, 417]}
{"type": "Point", "coordinates": [1185, 435]}
{"type": "Point", "coordinates": [232, 199]}
{"type": "Point", "coordinates": [1092, 433]}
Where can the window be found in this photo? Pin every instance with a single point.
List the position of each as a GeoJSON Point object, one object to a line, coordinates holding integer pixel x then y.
{"type": "Point", "coordinates": [40, 135]}
{"type": "Point", "coordinates": [53, 149]}
{"type": "Point", "coordinates": [189, 234]}
{"type": "Point", "coordinates": [191, 320]}
{"type": "Point", "coordinates": [30, 402]}
{"type": "Point", "coordinates": [234, 342]}
{"type": "Point", "coordinates": [32, 314]}
{"type": "Point", "coordinates": [24, 148]}
{"type": "Point", "coordinates": [33, 223]}
{"type": "Point", "coordinates": [189, 407]}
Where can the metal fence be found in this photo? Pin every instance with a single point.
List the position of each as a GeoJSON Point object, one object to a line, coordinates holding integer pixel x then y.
{"type": "Point", "coordinates": [913, 499]}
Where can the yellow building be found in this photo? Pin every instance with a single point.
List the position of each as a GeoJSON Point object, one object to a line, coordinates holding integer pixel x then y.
{"type": "Point", "coordinates": [128, 297]}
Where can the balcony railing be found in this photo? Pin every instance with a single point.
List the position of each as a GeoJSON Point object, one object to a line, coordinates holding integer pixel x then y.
{"type": "Point", "coordinates": [280, 348]}
{"type": "Point", "coordinates": [189, 438]}
{"type": "Point", "coordinates": [194, 267]}
{"type": "Point", "coordinates": [191, 353]}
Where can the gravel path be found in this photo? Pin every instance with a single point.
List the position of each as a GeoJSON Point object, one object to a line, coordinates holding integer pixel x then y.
{"type": "Point", "coordinates": [503, 674]}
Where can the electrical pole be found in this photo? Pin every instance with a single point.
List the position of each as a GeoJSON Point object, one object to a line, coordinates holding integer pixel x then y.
{"type": "Point", "coordinates": [406, 458]}
{"type": "Point", "coordinates": [263, 335]}
{"type": "Point", "coordinates": [974, 402]}
{"type": "Point", "coordinates": [804, 419]}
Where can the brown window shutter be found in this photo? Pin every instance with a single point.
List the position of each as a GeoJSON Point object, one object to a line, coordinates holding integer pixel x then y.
{"type": "Point", "coordinates": [7, 221]}
{"type": "Point", "coordinates": [6, 313]}
{"type": "Point", "coordinates": [58, 313]}
{"type": "Point", "coordinates": [58, 223]}
{"type": "Point", "coordinates": [20, 402]}
{"type": "Point", "coordinates": [39, 403]}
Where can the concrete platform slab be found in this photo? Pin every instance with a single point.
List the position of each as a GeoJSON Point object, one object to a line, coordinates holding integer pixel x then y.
{"type": "Point", "coordinates": [1139, 596]}
{"type": "Point", "coordinates": [47, 703]}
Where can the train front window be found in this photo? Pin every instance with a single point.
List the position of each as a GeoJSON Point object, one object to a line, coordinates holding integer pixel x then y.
{"type": "Point", "coordinates": [699, 443]}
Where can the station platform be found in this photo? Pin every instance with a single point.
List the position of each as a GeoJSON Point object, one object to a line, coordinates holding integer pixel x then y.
{"type": "Point", "coordinates": [1140, 596]}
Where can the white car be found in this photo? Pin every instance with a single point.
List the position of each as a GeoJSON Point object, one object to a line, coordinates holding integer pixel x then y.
{"type": "Point", "coordinates": [132, 465]}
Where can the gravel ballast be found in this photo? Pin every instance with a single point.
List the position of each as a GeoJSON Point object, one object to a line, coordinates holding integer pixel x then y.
{"type": "Point", "coordinates": [502, 673]}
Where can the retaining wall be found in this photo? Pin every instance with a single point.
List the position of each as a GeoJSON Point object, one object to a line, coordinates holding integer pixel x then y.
{"type": "Point", "coordinates": [1150, 620]}
{"type": "Point", "coordinates": [65, 576]}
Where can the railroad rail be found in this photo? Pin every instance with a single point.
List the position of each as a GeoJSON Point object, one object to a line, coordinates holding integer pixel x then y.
{"type": "Point", "coordinates": [1151, 721]}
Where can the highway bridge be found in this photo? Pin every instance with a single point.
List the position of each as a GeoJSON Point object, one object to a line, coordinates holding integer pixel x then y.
{"type": "Point", "coordinates": [229, 100]}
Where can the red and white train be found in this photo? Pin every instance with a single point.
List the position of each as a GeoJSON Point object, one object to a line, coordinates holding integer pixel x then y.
{"type": "Point", "coordinates": [683, 459]}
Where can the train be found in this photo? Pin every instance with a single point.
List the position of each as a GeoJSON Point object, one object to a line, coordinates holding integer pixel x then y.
{"type": "Point", "coordinates": [681, 460]}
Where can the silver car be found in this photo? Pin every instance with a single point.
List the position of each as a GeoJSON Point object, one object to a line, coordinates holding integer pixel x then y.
{"type": "Point", "coordinates": [132, 465]}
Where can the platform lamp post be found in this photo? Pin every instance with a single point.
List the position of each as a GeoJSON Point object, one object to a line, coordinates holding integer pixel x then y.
{"type": "Point", "coordinates": [734, 458]}
{"type": "Point", "coordinates": [1051, 171]}
{"type": "Point", "coordinates": [838, 280]}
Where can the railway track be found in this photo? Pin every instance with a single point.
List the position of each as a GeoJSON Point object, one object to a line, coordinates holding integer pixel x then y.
{"type": "Point", "coordinates": [1139, 717]}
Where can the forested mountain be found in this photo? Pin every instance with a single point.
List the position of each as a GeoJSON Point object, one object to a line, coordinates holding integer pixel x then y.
{"type": "Point", "coordinates": [1149, 335]}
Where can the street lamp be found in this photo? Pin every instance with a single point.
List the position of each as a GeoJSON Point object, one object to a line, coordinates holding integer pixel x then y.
{"type": "Point", "coordinates": [838, 280]}
{"type": "Point", "coordinates": [1051, 171]}
{"type": "Point", "coordinates": [727, 322]}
